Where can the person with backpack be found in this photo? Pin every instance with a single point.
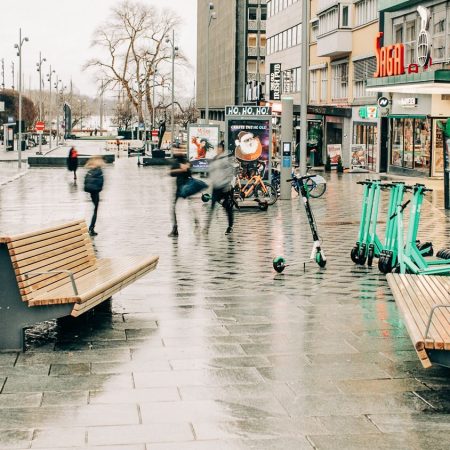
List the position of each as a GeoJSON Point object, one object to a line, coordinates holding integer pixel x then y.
{"type": "Point", "coordinates": [221, 173]}
{"type": "Point", "coordinates": [93, 184]}
{"type": "Point", "coordinates": [72, 162]}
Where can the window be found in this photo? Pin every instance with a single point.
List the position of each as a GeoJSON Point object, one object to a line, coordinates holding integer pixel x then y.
{"type": "Point", "coordinates": [398, 31]}
{"type": "Point", "coordinates": [345, 16]}
{"type": "Point", "coordinates": [263, 13]}
{"type": "Point", "coordinates": [284, 44]}
{"type": "Point", "coordinates": [294, 35]}
{"type": "Point", "coordinates": [289, 38]}
{"type": "Point", "coordinates": [410, 42]}
{"type": "Point", "coordinates": [438, 32]}
{"type": "Point", "coordinates": [262, 41]}
{"type": "Point", "coordinates": [365, 11]}
{"type": "Point", "coordinates": [362, 70]}
{"type": "Point", "coordinates": [314, 30]}
{"type": "Point", "coordinates": [324, 84]}
{"type": "Point", "coordinates": [328, 21]}
{"type": "Point", "coordinates": [251, 66]}
{"type": "Point", "coordinates": [252, 13]}
{"type": "Point", "coordinates": [339, 88]}
{"type": "Point", "coordinates": [313, 75]}
{"type": "Point", "coordinates": [251, 40]}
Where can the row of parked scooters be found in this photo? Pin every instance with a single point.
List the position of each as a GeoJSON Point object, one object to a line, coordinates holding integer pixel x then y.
{"type": "Point", "coordinates": [396, 253]}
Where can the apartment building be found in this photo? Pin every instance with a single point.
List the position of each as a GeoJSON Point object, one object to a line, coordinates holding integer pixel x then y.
{"type": "Point", "coordinates": [236, 54]}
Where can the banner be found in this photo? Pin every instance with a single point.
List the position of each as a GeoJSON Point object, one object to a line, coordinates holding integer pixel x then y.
{"type": "Point", "coordinates": [334, 151]}
{"type": "Point", "coordinates": [202, 145]}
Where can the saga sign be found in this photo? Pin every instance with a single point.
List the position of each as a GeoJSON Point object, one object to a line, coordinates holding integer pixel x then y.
{"type": "Point", "coordinates": [390, 59]}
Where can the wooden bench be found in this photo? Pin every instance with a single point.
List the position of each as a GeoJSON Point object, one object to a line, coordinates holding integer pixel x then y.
{"type": "Point", "coordinates": [54, 272]}
{"type": "Point", "coordinates": [424, 302]}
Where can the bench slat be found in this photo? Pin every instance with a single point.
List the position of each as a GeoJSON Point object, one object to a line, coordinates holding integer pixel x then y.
{"type": "Point", "coordinates": [110, 275]}
{"type": "Point", "coordinates": [410, 316]}
{"type": "Point", "coordinates": [426, 287]}
{"type": "Point", "coordinates": [420, 298]}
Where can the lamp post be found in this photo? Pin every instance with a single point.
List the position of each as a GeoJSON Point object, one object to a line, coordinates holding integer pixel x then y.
{"type": "Point", "coordinates": [304, 87]}
{"type": "Point", "coordinates": [49, 79]}
{"type": "Point", "coordinates": [211, 16]}
{"type": "Point", "coordinates": [174, 50]}
{"type": "Point", "coordinates": [19, 54]}
{"type": "Point", "coordinates": [153, 100]}
{"type": "Point", "coordinates": [39, 69]}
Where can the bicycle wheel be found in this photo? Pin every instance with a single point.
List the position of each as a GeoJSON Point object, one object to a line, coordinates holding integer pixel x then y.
{"type": "Point", "coordinates": [315, 190]}
{"type": "Point", "coordinates": [270, 196]}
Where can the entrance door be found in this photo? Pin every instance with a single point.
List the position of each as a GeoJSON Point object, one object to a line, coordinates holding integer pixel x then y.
{"type": "Point", "coordinates": [437, 167]}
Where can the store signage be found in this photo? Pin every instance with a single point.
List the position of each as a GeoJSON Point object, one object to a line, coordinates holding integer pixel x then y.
{"type": "Point", "coordinates": [408, 102]}
{"type": "Point", "coordinates": [424, 40]}
{"type": "Point", "coordinates": [390, 59]}
{"type": "Point", "coordinates": [275, 82]}
{"type": "Point", "coordinates": [248, 111]}
{"type": "Point", "coordinates": [383, 102]}
{"type": "Point", "coordinates": [368, 112]}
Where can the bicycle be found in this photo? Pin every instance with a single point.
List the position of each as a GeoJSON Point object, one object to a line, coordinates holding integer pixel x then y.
{"type": "Point", "coordinates": [316, 184]}
{"type": "Point", "coordinates": [264, 192]}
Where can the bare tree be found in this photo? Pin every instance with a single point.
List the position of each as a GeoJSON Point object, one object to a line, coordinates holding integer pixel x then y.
{"type": "Point", "coordinates": [134, 43]}
{"type": "Point", "coordinates": [123, 115]}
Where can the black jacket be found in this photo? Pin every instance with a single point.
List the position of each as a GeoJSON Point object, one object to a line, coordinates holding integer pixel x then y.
{"type": "Point", "coordinates": [93, 181]}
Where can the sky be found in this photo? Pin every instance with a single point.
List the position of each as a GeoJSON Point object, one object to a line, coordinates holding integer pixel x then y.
{"type": "Point", "coordinates": [62, 31]}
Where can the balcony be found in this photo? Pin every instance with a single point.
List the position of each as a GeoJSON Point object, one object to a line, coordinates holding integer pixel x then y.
{"type": "Point", "coordinates": [335, 43]}
{"type": "Point", "coordinates": [252, 25]}
{"type": "Point", "coordinates": [253, 51]}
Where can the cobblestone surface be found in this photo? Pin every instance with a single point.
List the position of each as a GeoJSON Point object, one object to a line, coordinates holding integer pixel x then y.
{"type": "Point", "coordinates": [213, 350]}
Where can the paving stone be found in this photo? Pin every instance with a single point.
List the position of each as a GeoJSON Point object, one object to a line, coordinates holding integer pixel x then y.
{"type": "Point", "coordinates": [47, 438]}
{"type": "Point", "coordinates": [15, 438]}
{"type": "Point", "coordinates": [67, 398]}
{"type": "Point", "coordinates": [136, 396]}
{"type": "Point", "coordinates": [24, 400]}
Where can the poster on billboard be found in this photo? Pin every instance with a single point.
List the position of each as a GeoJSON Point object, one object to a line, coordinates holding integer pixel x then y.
{"type": "Point", "coordinates": [202, 145]}
{"type": "Point", "coordinates": [334, 152]}
{"type": "Point", "coordinates": [249, 141]}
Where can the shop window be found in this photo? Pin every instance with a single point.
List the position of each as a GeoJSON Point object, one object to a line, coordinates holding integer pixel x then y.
{"type": "Point", "coordinates": [367, 135]}
{"type": "Point", "coordinates": [422, 138]}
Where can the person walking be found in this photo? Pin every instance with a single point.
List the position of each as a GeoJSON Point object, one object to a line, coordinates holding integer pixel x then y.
{"type": "Point", "coordinates": [93, 184]}
{"type": "Point", "coordinates": [181, 171]}
{"type": "Point", "coordinates": [72, 162]}
{"type": "Point", "coordinates": [220, 175]}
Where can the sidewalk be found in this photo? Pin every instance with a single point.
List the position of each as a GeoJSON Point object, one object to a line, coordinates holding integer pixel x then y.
{"type": "Point", "coordinates": [213, 350]}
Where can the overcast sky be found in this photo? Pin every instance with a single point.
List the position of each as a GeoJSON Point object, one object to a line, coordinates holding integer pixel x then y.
{"type": "Point", "coordinates": [62, 30]}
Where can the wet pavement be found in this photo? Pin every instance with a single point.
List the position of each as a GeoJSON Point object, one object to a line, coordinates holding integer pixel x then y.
{"type": "Point", "coordinates": [213, 350]}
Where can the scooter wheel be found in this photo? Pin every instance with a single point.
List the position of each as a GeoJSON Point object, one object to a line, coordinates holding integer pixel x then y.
{"type": "Point", "coordinates": [354, 255]}
{"type": "Point", "coordinates": [384, 265]}
{"type": "Point", "coordinates": [426, 249]}
{"type": "Point", "coordinates": [279, 264]}
{"type": "Point", "coordinates": [370, 255]}
{"type": "Point", "coordinates": [206, 198]}
{"type": "Point", "coordinates": [320, 260]}
{"type": "Point", "coordinates": [362, 254]}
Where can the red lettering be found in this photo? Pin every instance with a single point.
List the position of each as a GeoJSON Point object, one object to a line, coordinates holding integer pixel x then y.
{"type": "Point", "coordinates": [399, 59]}
{"type": "Point", "coordinates": [377, 54]}
{"type": "Point", "coordinates": [390, 59]}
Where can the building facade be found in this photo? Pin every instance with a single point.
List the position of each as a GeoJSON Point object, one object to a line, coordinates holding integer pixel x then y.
{"type": "Point", "coordinates": [236, 54]}
{"type": "Point", "coordinates": [419, 93]}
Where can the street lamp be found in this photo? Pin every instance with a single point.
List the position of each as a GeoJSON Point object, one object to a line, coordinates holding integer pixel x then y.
{"type": "Point", "coordinates": [19, 54]}
{"type": "Point", "coordinates": [153, 100]}
{"type": "Point", "coordinates": [174, 50]}
{"type": "Point", "coordinates": [211, 16]}
{"type": "Point", "coordinates": [49, 79]}
{"type": "Point", "coordinates": [39, 69]}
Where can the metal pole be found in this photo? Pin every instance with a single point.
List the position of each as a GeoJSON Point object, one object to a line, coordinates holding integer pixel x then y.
{"type": "Point", "coordinates": [304, 88]}
{"type": "Point", "coordinates": [40, 100]}
{"type": "Point", "coordinates": [172, 119]}
{"type": "Point", "coordinates": [153, 100]}
{"type": "Point", "coordinates": [101, 111]}
{"type": "Point", "coordinates": [287, 116]}
{"type": "Point", "coordinates": [20, 98]}
{"type": "Point", "coordinates": [50, 110]}
{"type": "Point", "coordinates": [207, 71]}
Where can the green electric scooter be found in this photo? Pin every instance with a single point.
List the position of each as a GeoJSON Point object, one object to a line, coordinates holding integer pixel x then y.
{"type": "Point", "coordinates": [410, 258]}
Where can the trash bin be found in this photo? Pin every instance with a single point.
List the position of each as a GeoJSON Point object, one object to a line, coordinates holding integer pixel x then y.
{"type": "Point", "coordinates": [24, 145]}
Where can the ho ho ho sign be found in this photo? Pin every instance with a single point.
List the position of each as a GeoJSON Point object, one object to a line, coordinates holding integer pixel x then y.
{"type": "Point", "coordinates": [248, 111]}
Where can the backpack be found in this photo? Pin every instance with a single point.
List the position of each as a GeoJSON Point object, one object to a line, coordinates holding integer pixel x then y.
{"type": "Point", "coordinates": [93, 181]}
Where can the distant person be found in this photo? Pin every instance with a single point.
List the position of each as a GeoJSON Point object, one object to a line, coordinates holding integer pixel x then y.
{"type": "Point", "coordinates": [72, 162]}
{"type": "Point", "coordinates": [93, 184]}
{"type": "Point", "coordinates": [221, 173]}
{"type": "Point", "coordinates": [95, 132]}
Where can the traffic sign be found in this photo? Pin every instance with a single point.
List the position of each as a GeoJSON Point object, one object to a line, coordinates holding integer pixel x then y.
{"type": "Point", "coordinates": [40, 126]}
{"type": "Point", "coordinates": [383, 102]}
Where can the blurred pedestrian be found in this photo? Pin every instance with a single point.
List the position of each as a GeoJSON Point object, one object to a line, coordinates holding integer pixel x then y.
{"type": "Point", "coordinates": [181, 170]}
{"type": "Point", "coordinates": [93, 184]}
{"type": "Point", "coordinates": [221, 173]}
{"type": "Point", "coordinates": [72, 162]}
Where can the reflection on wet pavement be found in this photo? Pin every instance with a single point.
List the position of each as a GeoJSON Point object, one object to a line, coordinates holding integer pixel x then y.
{"type": "Point", "coordinates": [213, 350]}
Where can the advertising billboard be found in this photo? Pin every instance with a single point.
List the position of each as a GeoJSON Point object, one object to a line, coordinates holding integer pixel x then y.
{"type": "Point", "coordinates": [202, 145]}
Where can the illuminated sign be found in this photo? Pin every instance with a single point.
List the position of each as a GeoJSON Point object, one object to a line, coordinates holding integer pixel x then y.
{"type": "Point", "coordinates": [390, 59]}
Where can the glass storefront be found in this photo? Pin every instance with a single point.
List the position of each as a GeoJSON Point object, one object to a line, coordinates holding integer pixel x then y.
{"type": "Point", "coordinates": [411, 143]}
{"type": "Point", "coordinates": [367, 134]}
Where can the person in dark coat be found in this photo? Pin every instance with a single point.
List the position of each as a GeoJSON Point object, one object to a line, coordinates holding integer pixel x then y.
{"type": "Point", "coordinates": [93, 184]}
{"type": "Point", "coordinates": [72, 162]}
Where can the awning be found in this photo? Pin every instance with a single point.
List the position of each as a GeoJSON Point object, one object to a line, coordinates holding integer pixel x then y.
{"type": "Point", "coordinates": [427, 82]}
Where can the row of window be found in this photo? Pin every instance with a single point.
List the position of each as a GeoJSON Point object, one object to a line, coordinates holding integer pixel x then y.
{"type": "Point", "coordinates": [365, 11]}
{"type": "Point", "coordinates": [406, 30]}
{"type": "Point", "coordinates": [334, 18]}
{"type": "Point", "coordinates": [275, 6]}
{"type": "Point", "coordinates": [253, 13]}
{"type": "Point", "coordinates": [286, 39]}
